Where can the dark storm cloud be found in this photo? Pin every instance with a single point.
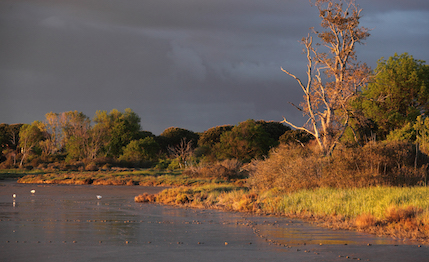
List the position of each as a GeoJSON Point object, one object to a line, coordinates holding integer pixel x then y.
{"type": "Point", "coordinates": [192, 64]}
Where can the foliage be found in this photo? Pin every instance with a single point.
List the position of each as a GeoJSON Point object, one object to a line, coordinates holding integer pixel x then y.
{"type": "Point", "coordinates": [244, 142]}
{"type": "Point", "coordinates": [30, 136]}
{"type": "Point", "coordinates": [9, 140]}
{"type": "Point", "coordinates": [173, 136]}
{"type": "Point", "coordinates": [422, 133]}
{"type": "Point", "coordinates": [398, 94]}
{"type": "Point", "coordinates": [327, 97]}
{"type": "Point", "coordinates": [273, 128]}
{"type": "Point", "coordinates": [295, 136]}
{"type": "Point", "coordinates": [139, 151]}
{"type": "Point", "coordinates": [9, 135]}
{"type": "Point", "coordinates": [212, 135]}
{"type": "Point", "coordinates": [118, 129]}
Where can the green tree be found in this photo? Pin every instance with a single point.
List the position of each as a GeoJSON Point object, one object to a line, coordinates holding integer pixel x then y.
{"type": "Point", "coordinates": [139, 151]}
{"type": "Point", "coordinates": [208, 141]}
{"type": "Point", "coordinates": [76, 128]}
{"type": "Point", "coordinates": [274, 129]}
{"type": "Point", "coordinates": [9, 139]}
{"type": "Point", "coordinates": [173, 136]}
{"type": "Point", "coordinates": [333, 77]}
{"type": "Point", "coordinates": [119, 129]}
{"type": "Point", "coordinates": [212, 135]}
{"type": "Point", "coordinates": [295, 136]}
{"type": "Point", "coordinates": [4, 135]}
{"type": "Point", "coordinates": [398, 94]}
{"type": "Point", "coordinates": [30, 136]}
{"type": "Point", "coordinates": [421, 128]}
{"type": "Point", "coordinates": [244, 142]}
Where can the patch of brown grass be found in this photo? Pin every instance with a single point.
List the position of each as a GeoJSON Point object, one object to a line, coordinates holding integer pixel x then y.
{"type": "Point", "coordinates": [144, 198]}
{"type": "Point", "coordinates": [397, 214]}
{"type": "Point", "coordinates": [365, 221]}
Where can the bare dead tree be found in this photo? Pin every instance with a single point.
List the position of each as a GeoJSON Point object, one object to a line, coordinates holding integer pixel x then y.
{"type": "Point", "coordinates": [182, 151]}
{"type": "Point", "coordinates": [334, 77]}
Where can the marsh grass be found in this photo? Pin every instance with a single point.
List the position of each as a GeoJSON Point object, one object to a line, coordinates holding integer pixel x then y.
{"type": "Point", "coordinates": [401, 212]}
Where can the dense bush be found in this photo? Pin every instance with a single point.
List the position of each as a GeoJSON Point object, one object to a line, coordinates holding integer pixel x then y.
{"type": "Point", "coordinates": [293, 167]}
{"type": "Point", "coordinates": [228, 170]}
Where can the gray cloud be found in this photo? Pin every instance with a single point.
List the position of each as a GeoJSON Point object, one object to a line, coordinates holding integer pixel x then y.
{"type": "Point", "coordinates": [175, 63]}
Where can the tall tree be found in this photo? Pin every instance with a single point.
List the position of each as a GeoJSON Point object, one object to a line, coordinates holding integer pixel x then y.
{"type": "Point", "coordinates": [333, 77]}
{"type": "Point", "coordinates": [398, 94]}
{"type": "Point", "coordinates": [119, 129]}
{"type": "Point", "coordinates": [53, 133]}
{"type": "Point", "coordinates": [77, 128]}
{"type": "Point", "coordinates": [29, 137]}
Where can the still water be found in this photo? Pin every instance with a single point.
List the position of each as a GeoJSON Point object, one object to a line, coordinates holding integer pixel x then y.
{"type": "Point", "coordinates": [69, 223]}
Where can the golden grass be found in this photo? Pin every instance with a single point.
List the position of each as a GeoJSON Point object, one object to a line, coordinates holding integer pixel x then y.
{"type": "Point", "coordinates": [394, 211]}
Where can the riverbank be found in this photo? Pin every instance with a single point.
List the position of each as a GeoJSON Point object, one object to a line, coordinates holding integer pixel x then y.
{"type": "Point", "coordinates": [69, 223]}
{"type": "Point", "coordinates": [402, 213]}
{"type": "Point", "coordinates": [144, 177]}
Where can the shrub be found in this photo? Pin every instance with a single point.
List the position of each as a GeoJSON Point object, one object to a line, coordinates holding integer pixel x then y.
{"type": "Point", "coordinates": [162, 164]}
{"type": "Point", "coordinates": [397, 214]}
{"type": "Point", "coordinates": [365, 221]}
{"type": "Point", "coordinates": [91, 167]}
{"type": "Point", "coordinates": [293, 167]}
{"type": "Point", "coordinates": [145, 197]}
{"type": "Point", "coordinates": [228, 169]}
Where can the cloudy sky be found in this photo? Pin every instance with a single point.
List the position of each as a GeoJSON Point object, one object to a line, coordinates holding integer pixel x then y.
{"type": "Point", "coordinates": [188, 63]}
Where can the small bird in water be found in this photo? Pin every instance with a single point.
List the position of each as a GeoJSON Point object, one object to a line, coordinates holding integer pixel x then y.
{"type": "Point", "coordinates": [99, 197]}
{"type": "Point", "coordinates": [33, 191]}
{"type": "Point", "coordinates": [14, 195]}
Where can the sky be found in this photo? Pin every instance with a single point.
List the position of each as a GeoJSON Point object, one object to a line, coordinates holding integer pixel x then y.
{"type": "Point", "coordinates": [189, 64]}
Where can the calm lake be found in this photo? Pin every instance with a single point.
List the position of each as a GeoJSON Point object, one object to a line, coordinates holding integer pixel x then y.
{"type": "Point", "coordinates": [69, 223]}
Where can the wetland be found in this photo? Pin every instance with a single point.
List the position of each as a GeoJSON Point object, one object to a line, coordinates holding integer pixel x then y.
{"type": "Point", "coordinates": [69, 223]}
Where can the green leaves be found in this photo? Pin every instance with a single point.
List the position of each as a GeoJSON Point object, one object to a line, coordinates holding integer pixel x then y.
{"type": "Point", "coordinates": [399, 93]}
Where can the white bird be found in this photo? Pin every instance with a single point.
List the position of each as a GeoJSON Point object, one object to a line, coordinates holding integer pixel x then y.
{"type": "Point", "coordinates": [99, 197]}
{"type": "Point", "coordinates": [33, 191]}
{"type": "Point", "coordinates": [14, 195]}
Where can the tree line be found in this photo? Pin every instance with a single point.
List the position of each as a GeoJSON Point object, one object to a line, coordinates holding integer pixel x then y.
{"type": "Point", "coordinates": [117, 138]}
{"type": "Point", "coordinates": [346, 103]}
{"type": "Point", "coordinates": [392, 107]}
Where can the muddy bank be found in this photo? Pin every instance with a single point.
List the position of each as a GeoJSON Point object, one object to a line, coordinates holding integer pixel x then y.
{"type": "Point", "coordinates": [69, 223]}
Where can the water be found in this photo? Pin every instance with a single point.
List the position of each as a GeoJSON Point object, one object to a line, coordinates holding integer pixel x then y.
{"type": "Point", "coordinates": [69, 223]}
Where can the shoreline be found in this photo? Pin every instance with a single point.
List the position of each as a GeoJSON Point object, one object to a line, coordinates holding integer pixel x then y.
{"type": "Point", "coordinates": [251, 204]}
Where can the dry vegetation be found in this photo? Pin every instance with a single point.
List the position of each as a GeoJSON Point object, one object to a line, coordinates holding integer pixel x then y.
{"type": "Point", "coordinates": [291, 168]}
{"type": "Point", "coordinates": [377, 188]}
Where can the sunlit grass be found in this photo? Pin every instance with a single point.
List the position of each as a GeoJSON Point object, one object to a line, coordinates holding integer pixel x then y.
{"type": "Point", "coordinates": [353, 202]}
{"type": "Point", "coordinates": [397, 211]}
